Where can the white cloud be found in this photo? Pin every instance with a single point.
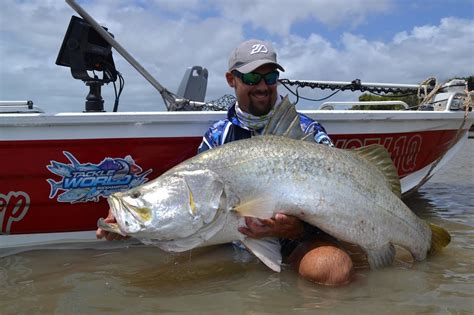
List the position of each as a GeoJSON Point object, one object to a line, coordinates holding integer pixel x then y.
{"type": "Point", "coordinates": [277, 17]}
{"type": "Point", "coordinates": [443, 50]}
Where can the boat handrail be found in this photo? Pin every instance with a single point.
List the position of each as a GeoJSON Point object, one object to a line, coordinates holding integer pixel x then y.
{"type": "Point", "coordinates": [451, 98]}
{"type": "Point", "coordinates": [453, 102]}
{"type": "Point", "coordinates": [330, 105]}
{"type": "Point", "coordinates": [19, 107]}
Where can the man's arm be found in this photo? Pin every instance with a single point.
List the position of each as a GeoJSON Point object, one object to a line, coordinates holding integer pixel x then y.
{"type": "Point", "coordinates": [320, 135]}
{"type": "Point", "coordinates": [281, 226]}
{"type": "Point", "coordinates": [203, 147]}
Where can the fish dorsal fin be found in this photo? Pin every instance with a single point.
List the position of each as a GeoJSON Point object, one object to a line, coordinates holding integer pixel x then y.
{"type": "Point", "coordinates": [377, 155]}
{"type": "Point", "coordinates": [285, 122]}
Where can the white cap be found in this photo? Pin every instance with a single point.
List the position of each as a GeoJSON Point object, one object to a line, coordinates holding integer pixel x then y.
{"type": "Point", "coordinates": [252, 54]}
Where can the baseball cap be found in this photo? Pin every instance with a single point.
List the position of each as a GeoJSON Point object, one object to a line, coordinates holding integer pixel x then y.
{"type": "Point", "coordinates": [251, 54]}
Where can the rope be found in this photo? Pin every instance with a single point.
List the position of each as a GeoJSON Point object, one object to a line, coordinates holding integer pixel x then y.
{"type": "Point", "coordinates": [468, 102]}
{"type": "Point", "coordinates": [428, 96]}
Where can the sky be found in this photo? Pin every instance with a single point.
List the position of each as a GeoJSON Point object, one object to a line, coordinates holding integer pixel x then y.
{"type": "Point", "coordinates": [388, 41]}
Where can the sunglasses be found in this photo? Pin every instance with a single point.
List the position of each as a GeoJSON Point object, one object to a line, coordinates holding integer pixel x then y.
{"type": "Point", "coordinates": [253, 78]}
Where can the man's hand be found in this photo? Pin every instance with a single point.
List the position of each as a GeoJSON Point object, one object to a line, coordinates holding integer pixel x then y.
{"type": "Point", "coordinates": [109, 236]}
{"type": "Point", "coordinates": [282, 226]}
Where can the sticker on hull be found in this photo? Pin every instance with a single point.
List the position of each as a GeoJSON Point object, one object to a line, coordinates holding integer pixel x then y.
{"type": "Point", "coordinates": [13, 208]}
{"type": "Point", "coordinates": [83, 182]}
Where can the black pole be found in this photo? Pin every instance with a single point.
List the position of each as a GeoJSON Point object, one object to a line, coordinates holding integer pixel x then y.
{"type": "Point", "coordinates": [94, 100]}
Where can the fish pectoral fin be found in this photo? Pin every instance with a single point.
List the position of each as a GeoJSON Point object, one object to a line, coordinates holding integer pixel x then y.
{"type": "Point", "coordinates": [262, 208]}
{"type": "Point", "coordinates": [109, 227]}
{"type": "Point", "coordinates": [268, 250]}
{"type": "Point", "coordinates": [381, 257]}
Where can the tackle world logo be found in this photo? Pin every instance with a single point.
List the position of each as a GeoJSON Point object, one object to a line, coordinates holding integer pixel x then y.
{"type": "Point", "coordinates": [82, 182]}
{"type": "Point", "coordinates": [13, 208]}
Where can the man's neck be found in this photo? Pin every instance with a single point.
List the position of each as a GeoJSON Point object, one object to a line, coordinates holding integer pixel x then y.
{"type": "Point", "coordinates": [252, 122]}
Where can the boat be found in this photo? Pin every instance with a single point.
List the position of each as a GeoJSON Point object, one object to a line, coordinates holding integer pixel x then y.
{"type": "Point", "coordinates": [59, 168]}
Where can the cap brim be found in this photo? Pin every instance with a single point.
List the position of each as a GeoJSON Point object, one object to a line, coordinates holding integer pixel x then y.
{"type": "Point", "coordinates": [249, 67]}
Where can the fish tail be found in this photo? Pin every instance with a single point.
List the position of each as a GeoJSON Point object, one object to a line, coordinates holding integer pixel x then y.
{"type": "Point", "coordinates": [439, 238]}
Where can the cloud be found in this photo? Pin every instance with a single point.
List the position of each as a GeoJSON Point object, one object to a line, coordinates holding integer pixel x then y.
{"type": "Point", "coordinates": [277, 17]}
{"type": "Point", "coordinates": [166, 37]}
{"type": "Point", "coordinates": [444, 50]}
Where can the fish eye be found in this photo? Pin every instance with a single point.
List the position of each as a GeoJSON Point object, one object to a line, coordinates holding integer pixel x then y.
{"type": "Point", "coordinates": [135, 194]}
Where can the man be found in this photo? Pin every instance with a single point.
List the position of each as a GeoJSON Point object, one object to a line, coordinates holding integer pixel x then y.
{"type": "Point", "coordinates": [253, 73]}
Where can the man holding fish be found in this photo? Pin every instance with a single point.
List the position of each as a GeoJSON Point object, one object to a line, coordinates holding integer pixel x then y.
{"type": "Point", "coordinates": [253, 73]}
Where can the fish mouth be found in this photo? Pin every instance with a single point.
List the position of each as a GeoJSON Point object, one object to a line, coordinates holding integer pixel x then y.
{"type": "Point", "coordinates": [114, 204]}
{"type": "Point", "coordinates": [126, 213]}
{"type": "Point", "coordinates": [109, 227]}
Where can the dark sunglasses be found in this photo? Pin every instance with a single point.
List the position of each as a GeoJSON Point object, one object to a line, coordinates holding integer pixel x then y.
{"type": "Point", "coordinates": [253, 78]}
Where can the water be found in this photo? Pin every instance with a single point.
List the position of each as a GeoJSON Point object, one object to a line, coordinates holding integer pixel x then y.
{"type": "Point", "coordinates": [219, 280]}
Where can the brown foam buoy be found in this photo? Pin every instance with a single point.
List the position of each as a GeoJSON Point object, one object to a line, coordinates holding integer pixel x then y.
{"type": "Point", "coordinates": [327, 265]}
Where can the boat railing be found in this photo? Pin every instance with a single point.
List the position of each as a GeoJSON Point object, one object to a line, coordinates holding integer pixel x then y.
{"type": "Point", "coordinates": [19, 107]}
{"type": "Point", "coordinates": [331, 105]}
{"type": "Point", "coordinates": [455, 101]}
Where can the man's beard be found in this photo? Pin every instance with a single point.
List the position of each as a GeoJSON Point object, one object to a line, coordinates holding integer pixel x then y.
{"type": "Point", "coordinates": [257, 109]}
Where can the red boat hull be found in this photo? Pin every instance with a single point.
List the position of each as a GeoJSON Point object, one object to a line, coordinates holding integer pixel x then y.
{"type": "Point", "coordinates": [27, 204]}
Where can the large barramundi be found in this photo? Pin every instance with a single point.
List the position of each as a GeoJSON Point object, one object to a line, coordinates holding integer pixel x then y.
{"type": "Point", "coordinates": [352, 195]}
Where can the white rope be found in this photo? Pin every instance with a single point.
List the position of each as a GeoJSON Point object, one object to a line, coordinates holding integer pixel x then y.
{"type": "Point", "coordinates": [427, 96]}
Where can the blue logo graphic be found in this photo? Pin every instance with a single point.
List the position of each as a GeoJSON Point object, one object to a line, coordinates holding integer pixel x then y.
{"type": "Point", "coordinates": [87, 182]}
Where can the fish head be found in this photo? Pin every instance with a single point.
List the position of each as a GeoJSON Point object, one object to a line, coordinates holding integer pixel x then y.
{"type": "Point", "coordinates": [173, 206]}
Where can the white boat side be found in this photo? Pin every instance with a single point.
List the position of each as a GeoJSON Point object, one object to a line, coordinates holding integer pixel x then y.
{"type": "Point", "coordinates": [63, 126]}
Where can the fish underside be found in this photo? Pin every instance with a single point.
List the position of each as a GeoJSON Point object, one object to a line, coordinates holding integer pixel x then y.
{"type": "Point", "coordinates": [353, 195]}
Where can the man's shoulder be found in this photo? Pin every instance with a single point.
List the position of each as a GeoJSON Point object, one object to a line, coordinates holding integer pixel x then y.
{"type": "Point", "coordinates": [218, 129]}
{"type": "Point", "coordinates": [220, 124]}
{"type": "Point", "coordinates": [223, 123]}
